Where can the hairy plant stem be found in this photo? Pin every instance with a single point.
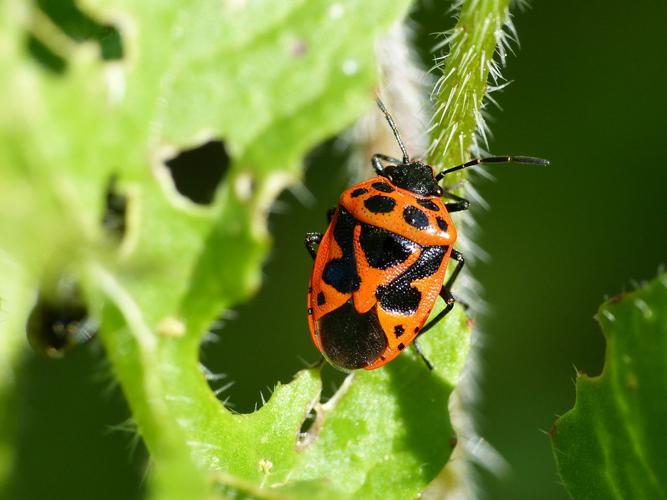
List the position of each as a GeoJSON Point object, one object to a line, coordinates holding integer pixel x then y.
{"type": "Point", "coordinates": [462, 87]}
{"type": "Point", "coordinates": [458, 127]}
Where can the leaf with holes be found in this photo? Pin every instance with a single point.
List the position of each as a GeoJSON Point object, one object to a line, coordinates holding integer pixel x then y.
{"type": "Point", "coordinates": [106, 108]}
{"type": "Point", "coordinates": [100, 104]}
{"type": "Point", "coordinates": [612, 444]}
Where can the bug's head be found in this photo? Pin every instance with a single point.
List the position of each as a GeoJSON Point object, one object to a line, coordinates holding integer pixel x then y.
{"type": "Point", "coordinates": [415, 176]}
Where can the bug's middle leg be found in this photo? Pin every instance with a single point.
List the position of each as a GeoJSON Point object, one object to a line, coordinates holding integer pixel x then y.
{"type": "Point", "coordinates": [311, 241]}
{"type": "Point", "coordinates": [446, 293]}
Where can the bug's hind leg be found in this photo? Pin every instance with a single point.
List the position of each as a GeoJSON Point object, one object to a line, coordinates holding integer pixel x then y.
{"type": "Point", "coordinates": [311, 241]}
{"type": "Point", "coordinates": [418, 348]}
{"type": "Point", "coordinates": [446, 293]}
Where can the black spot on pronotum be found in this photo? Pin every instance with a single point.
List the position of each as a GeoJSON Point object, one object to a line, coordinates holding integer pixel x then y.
{"type": "Point", "coordinates": [383, 187]}
{"type": "Point", "coordinates": [399, 330]}
{"type": "Point", "coordinates": [426, 203]}
{"type": "Point", "coordinates": [350, 339]}
{"type": "Point", "coordinates": [401, 346]}
{"type": "Point", "coordinates": [321, 299]}
{"type": "Point", "coordinates": [384, 249]}
{"type": "Point", "coordinates": [442, 224]}
{"type": "Point", "coordinates": [415, 217]}
{"type": "Point", "coordinates": [358, 192]}
{"type": "Point", "coordinates": [379, 204]}
{"type": "Point", "coordinates": [198, 172]}
{"type": "Point", "coordinates": [114, 219]}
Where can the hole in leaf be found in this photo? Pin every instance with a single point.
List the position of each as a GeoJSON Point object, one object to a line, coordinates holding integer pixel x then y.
{"type": "Point", "coordinates": [198, 172]}
{"type": "Point", "coordinates": [114, 218]}
{"type": "Point", "coordinates": [45, 56]}
{"type": "Point", "coordinates": [308, 432]}
{"type": "Point", "coordinates": [309, 421]}
{"type": "Point", "coordinates": [59, 320]}
{"type": "Point", "coordinates": [81, 28]}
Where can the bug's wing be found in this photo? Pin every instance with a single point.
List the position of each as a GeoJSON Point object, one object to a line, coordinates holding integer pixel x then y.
{"type": "Point", "coordinates": [380, 257]}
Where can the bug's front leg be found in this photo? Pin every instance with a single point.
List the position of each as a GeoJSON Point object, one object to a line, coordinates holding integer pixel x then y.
{"type": "Point", "coordinates": [459, 203]}
{"type": "Point", "coordinates": [377, 159]}
{"type": "Point", "coordinates": [311, 241]}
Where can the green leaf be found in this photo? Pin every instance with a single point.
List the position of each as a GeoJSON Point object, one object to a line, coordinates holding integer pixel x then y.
{"type": "Point", "coordinates": [612, 444]}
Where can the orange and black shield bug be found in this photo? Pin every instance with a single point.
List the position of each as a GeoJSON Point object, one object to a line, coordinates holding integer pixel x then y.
{"type": "Point", "coordinates": [380, 266]}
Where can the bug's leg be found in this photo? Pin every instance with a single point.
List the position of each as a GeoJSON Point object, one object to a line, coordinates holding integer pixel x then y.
{"type": "Point", "coordinates": [449, 300]}
{"type": "Point", "coordinates": [446, 293]}
{"type": "Point", "coordinates": [418, 348]}
{"type": "Point", "coordinates": [460, 261]}
{"type": "Point", "coordinates": [377, 159]}
{"type": "Point", "coordinates": [330, 214]}
{"type": "Point", "coordinates": [459, 204]}
{"type": "Point", "coordinates": [312, 239]}
{"type": "Point", "coordinates": [317, 364]}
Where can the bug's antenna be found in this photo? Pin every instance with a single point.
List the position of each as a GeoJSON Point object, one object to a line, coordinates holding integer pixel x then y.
{"type": "Point", "coordinates": [525, 160]}
{"type": "Point", "coordinates": [394, 129]}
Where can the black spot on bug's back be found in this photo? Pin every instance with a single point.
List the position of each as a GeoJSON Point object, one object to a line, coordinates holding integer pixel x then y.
{"type": "Point", "coordinates": [442, 224]}
{"type": "Point", "coordinates": [399, 330]}
{"type": "Point", "coordinates": [401, 346]}
{"type": "Point", "coordinates": [351, 340]}
{"type": "Point", "coordinates": [426, 203]}
{"type": "Point", "coordinates": [415, 217]}
{"type": "Point", "coordinates": [321, 299]}
{"type": "Point", "coordinates": [399, 296]}
{"type": "Point", "coordinates": [383, 187]}
{"type": "Point", "coordinates": [384, 249]}
{"type": "Point", "coordinates": [342, 273]}
{"type": "Point", "coordinates": [358, 192]}
{"type": "Point", "coordinates": [379, 204]}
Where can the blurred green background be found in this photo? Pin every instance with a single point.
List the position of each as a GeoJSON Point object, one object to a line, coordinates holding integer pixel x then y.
{"type": "Point", "coordinates": [587, 93]}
